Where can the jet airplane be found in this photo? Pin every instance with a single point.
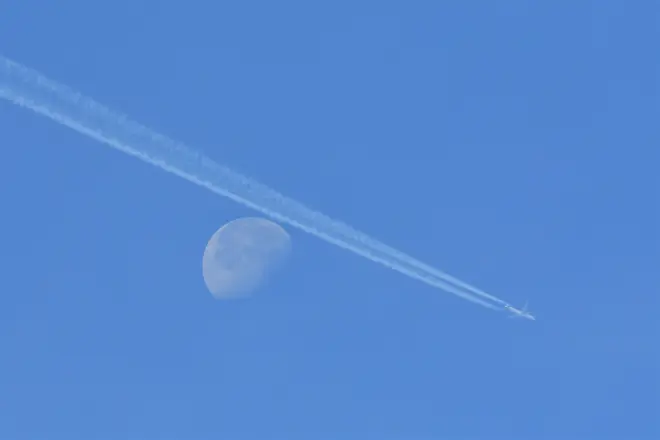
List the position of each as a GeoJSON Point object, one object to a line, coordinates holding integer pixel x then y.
{"type": "Point", "coordinates": [523, 313]}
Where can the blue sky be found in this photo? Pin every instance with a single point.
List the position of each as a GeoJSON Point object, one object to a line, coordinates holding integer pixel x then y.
{"type": "Point", "coordinates": [512, 144]}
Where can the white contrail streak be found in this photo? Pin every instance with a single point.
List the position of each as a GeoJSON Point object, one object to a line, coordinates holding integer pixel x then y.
{"type": "Point", "coordinates": [30, 89]}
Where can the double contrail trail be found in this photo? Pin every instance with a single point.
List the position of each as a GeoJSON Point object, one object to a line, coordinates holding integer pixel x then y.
{"type": "Point", "coordinates": [30, 89]}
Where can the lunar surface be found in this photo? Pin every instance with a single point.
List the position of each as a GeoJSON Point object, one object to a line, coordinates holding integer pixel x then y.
{"type": "Point", "coordinates": [241, 255]}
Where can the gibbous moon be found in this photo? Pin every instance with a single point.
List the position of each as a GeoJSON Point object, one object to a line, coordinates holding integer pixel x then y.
{"type": "Point", "coordinates": [241, 255]}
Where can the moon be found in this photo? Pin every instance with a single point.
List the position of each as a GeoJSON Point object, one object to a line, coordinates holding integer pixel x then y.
{"type": "Point", "coordinates": [242, 254]}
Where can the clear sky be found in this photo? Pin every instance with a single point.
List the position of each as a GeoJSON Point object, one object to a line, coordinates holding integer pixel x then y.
{"type": "Point", "coordinates": [513, 144]}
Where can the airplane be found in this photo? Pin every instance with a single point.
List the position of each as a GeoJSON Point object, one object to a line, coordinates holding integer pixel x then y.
{"type": "Point", "coordinates": [520, 313]}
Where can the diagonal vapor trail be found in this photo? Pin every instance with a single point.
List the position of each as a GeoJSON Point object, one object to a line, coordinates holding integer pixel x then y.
{"type": "Point", "coordinates": [32, 90]}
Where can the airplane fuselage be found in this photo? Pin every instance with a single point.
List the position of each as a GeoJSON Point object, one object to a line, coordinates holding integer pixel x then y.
{"type": "Point", "coordinates": [520, 313]}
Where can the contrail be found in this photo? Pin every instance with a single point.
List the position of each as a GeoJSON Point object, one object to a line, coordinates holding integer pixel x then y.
{"type": "Point", "coordinates": [30, 89]}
